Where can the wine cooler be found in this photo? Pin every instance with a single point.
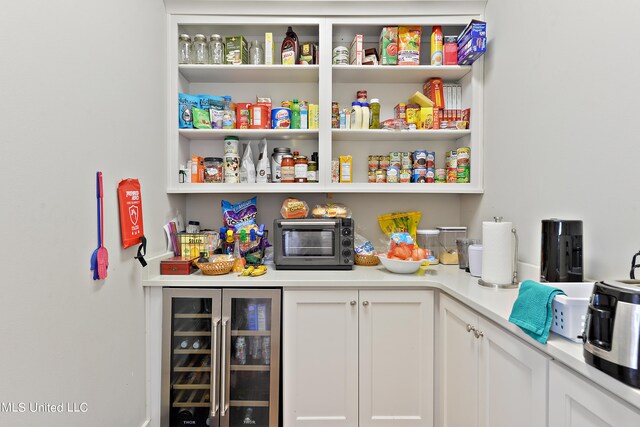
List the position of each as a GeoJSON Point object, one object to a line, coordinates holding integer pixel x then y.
{"type": "Point", "coordinates": [221, 357]}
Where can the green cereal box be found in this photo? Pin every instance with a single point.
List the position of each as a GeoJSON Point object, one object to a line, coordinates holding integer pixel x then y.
{"type": "Point", "coordinates": [236, 50]}
{"type": "Point", "coordinates": [389, 46]}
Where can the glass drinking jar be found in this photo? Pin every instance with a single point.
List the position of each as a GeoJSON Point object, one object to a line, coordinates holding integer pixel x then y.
{"type": "Point", "coordinates": [216, 49]}
{"type": "Point", "coordinates": [256, 53]}
{"type": "Point", "coordinates": [184, 49]}
{"type": "Point", "coordinates": [199, 49]}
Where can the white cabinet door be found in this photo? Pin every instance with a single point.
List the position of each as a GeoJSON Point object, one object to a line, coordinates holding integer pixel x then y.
{"type": "Point", "coordinates": [458, 372]}
{"type": "Point", "coordinates": [575, 402]}
{"type": "Point", "coordinates": [396, 358]}
{"type": "Point", "coordinates": [320, 358]}
{"type": "Point", "coordinates": [513, 380]}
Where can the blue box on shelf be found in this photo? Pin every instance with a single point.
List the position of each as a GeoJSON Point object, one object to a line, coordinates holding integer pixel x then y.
{"type": "Point", "coordinates": [472, 42]}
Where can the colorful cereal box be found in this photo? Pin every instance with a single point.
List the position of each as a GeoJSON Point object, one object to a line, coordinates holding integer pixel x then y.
{"type": "Point", "coordinates": [409, 45]}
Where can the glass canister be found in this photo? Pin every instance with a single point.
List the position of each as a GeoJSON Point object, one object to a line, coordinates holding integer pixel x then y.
{"type": "Point", "coordinates": [447, 241]}
{"type": "Point", "coordinates": [256, 53]}
{"type": "Point", "coordinates": [184, 49]}
{"type": "Point", "coordinates": [428, 239]}
{"type": "Point", "coordinates": [199, 49]}
{"type": "Point", "coordinates": [216, 49]}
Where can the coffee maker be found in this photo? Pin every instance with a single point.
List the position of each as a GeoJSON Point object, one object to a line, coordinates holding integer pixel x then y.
{"type": "Point", "coordinates": [561, 255]}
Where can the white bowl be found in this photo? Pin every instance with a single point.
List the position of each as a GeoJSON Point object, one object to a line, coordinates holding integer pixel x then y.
{"type": "Point", "coordinates": [400, 266]}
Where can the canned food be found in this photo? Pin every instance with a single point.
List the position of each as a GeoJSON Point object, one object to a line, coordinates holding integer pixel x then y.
{"type": "Point", "coordinates": [384, 162]}
{"type": "Point", "coordinates": [451, 161]}
{"type": "Point", "coordinates": [361, 96]}
{"type": "Point", "coordinates": [405, 175]}
{"type": "Point", "coordinates": [372, 176]}
{"type": "Point", "coordinates": [232, 169]}
{"type": "Point", "coordinates": [419, 175]}
{"type": "Point", "coordinates": [335, 122]}
{"type": "Point", "coordinates": [393, 174]}
{"type": "Point", "coordinates": [335, 108]}
{"type": "Point", "coordinates": [340, 56]}
{"type": "Point", "coordinates": [381, 175]}
{"type": "Point", "coordinates": [463, 156]}
{"type": "Point", "coordinates": [286, 104]}
{"type": "Point", "coordinates": [280, 118]}
{"type": "Point", "coordinates": [420, 159]}
{"type": "Point", "coordinates": [430, 176]}
{"type": "Point", "coordinates": [335, 170]}
{"type": "Point", "coordinates": [374, 163]}
{"type": "Point", "coordinates": [431, 159]}
{"type": "Point", "coordinates": [463, 174]}
{"type": "Point", "coordinates": [452, 175]}
{"type": "Point", "coordinates": [441, 175]}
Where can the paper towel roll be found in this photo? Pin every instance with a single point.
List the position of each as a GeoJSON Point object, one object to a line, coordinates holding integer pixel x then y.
{"type": "Point", "coordinates": [497, 252]}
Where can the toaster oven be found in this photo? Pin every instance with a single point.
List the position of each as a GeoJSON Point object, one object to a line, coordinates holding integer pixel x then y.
{"type": "Point", "coordinates": [313, 244]}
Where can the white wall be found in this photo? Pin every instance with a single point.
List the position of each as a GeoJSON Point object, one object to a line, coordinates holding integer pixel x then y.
{"type": "Point", "coordinates": [561, 108]}
{"type": "Point", "coordinates": [82, 86]}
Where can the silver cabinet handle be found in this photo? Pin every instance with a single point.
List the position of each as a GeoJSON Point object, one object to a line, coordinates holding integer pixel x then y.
{"type": "Point", "coordinates": [353, 302]}
{"type": "Point", "coordinates": [223, 367]}
{"type": "Point", "coordinates": [470, 328]}
{"type": "Point", "coordinates": [365, 303]}
{"type": "Point", "coordinates": [478, 333]}
{"type": "Point", "coordinates": [214, 366]}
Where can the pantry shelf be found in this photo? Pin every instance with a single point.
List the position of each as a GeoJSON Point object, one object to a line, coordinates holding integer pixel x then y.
{"type": "Point", "coordinates": [245, 188]}
{"type": "Point", "coordinates": [365, 74]}
{"type": "Point", "coordinates": [195, 73]}
{"type": "Point", "coordinates": [403, 188]}
{"type": "Point", "coordinates": [391, 135]}
{"type": "Point", "coordinates": [270, 134]}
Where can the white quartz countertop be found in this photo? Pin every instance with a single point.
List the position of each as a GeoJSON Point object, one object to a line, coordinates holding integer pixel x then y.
{"type": "Point", "coordinates": [490, 303]}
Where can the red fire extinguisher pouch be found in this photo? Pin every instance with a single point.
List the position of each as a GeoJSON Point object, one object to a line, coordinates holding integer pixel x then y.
{"type": "Point", "coordinates": [131, 221]}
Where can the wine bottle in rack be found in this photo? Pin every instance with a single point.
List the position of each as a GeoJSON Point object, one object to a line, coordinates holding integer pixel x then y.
{"type": "Point", "coordinates": [184, 343]}
{"type": "Point", "coordinates": [199, 343]}
{"type": "Point", "coordinates": [186, 417]}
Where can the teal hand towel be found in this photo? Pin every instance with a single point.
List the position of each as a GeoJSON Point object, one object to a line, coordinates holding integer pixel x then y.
{"type": "Point", "coordinates": [532, 310]}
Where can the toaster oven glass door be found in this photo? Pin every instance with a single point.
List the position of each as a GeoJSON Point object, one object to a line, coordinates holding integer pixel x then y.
{"type": "Point", "coordinates": [316, 243]}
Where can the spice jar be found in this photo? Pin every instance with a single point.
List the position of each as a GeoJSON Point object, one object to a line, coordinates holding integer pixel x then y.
{"type": "Point", "coordinates": [287, 169]}
{"type": "Point", "coordinates": [216, 49]}
{"type": "Point", "coordinates": [256, 53]}
{"type": "Point", "coordinates": [199, 49]}
{"type": "Point", "coordinates": [184, 49]}
{"type": "Point", "coordinates": [312, 171]}
{"type": "Point", "coordinates": [300, 169]}
{"type": "Point", "coordinates": [213, 169]}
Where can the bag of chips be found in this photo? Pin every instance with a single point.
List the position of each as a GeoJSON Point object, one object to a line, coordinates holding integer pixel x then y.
{"type": "Point", "coordinates": [239, 213]}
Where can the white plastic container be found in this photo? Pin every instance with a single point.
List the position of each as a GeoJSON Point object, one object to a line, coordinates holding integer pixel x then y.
{"type": "Point", "coordinates": [570, 310]}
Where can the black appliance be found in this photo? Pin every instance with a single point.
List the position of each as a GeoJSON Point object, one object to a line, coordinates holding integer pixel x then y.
{"type": "Point", "coordinates": [612, 330]}
{"type": "Point", "coordinates": [561, 255]}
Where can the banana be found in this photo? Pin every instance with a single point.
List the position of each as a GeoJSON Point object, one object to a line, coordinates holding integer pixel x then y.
{"type": "Point", "coordinates": [259, 271]}
{"type": "Point", "coordinates": [247, 271]}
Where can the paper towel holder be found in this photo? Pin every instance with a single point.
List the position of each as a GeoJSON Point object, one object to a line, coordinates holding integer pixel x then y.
{"type": "Point", "coordinates": [514, 282]}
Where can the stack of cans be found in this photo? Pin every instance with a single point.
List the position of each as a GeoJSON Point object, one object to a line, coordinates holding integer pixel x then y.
{"type": "Point", "coordinates": [458, 166]}
{"type": "Point", "coordinates": [424, 163]}
{"type": "Point", "coordinates": [335, 115]}
{"type": "Point", "coordinates": [419, 166]}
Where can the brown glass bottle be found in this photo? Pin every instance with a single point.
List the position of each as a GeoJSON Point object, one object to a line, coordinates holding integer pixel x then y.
{"type": "Point", "coordinates": [290, 52]}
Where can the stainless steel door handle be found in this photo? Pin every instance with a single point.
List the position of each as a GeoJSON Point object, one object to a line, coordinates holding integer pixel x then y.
{"type": "Point", "coordinates": [353, 302]}
{"type": "Point", "coordinates": [214, 366]}
{"type": "Point", "coordinates": [477, 333]}
{"type": "Point", "coordinates": [365, 303]}
{"type": "Point", "coordinates": [470, 328]}
{"type": "Point", "coordinates": [223, 368]}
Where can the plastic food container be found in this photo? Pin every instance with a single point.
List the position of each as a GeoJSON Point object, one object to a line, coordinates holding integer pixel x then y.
{"type": "Point", "coordinates": [447, 241]}
{"type": "Point", "coordinates": [428, 239]}
{"type": "Point", "coordinates": [570, 310]}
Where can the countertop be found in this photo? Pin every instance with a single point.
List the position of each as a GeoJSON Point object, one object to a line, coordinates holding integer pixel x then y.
{"type": "Point", "coordinates": [490, 303]}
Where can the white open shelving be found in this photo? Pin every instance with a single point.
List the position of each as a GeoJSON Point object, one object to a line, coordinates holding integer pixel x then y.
{"type": "Point", "coordinates": [321, 84]}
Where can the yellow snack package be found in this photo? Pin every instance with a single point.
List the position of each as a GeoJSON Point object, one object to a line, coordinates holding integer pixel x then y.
{"type": "Point", "coordinates": [399, 222]}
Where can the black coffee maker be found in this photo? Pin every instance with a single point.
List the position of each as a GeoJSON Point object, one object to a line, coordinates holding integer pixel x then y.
{"type": "Point", "coordinates": [561, 256]}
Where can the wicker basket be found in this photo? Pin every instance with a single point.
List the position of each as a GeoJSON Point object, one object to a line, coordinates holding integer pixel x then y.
{"type": "Point", "coordinates": [215, 268]}
{"type": "Point", "coordinates": [367, 260]}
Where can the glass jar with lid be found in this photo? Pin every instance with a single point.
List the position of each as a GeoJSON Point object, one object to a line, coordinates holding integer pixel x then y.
{"type": "Point", "coordinates": [216, 49]}
{"type": "Point", "coordinates": [184, 49]}
{"type": "Point", "coordinates": [256, 53]}
{"type": "Point", "coordinates": [287, 169]}
{"type": "Point", "coordinates": [312, 171]}
{"type": "Point", "coordinates": [447, 241]}
{"type": "Point", "coordinates": [428, 239]}
{"type": "Point", "coordinates": [199, 49]}
{"type": "Point", "coordinates": [213, 169]}
{"type": "Point", "coordinates": [300, 168]}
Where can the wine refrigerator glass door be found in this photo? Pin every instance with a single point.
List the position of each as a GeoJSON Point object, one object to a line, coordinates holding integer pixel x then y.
{"type": "Point", "coordinates": [191, 366]}
{"type": "Point", "coordinates": [249, 389]}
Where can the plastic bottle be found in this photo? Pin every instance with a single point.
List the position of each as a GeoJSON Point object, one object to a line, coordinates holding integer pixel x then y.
{"type": "Point", "coordinates": [238, 265]}
{"type": "Point", "coordinates": [375, 113]}
{"type": "Point", "coordinates": [366, 115]}
{"type": "Point", "coordinates": [228, 116]}
{"type": "Point", "coordinates": [295, 115]}
{"type": "Point", "coordinates": [290, 51]}
{"type": "Point", "coordinates": [436, 45]}
{"type": "Point", "coordinates": [356, 115]}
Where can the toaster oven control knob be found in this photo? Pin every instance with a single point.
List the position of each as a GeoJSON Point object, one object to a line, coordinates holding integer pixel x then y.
{"type": "Point", "coordinates": [346, 253]}
{"type": "Point", "coordinates": [346, 232]}
{"type": "Point", "coordinates": [346, 242]}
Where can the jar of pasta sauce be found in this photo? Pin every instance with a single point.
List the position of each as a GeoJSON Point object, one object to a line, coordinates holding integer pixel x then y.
{"type": "Point", "coordinates": [287, 169]}
{"type": "Point", "coordinates": [300, 169]}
